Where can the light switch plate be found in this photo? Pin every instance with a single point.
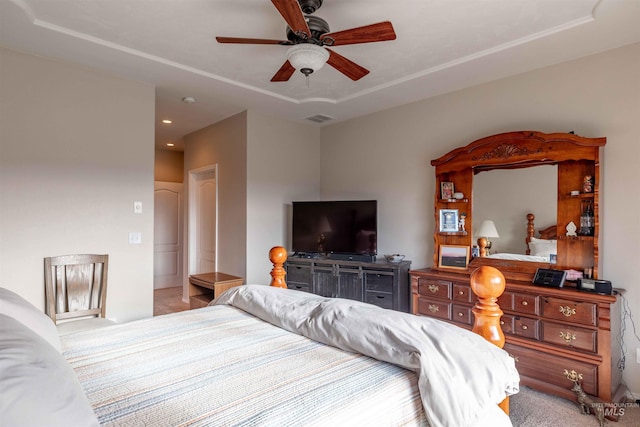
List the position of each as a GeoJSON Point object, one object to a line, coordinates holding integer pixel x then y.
{"type": "Point", "coordinates": [137, 207]}
{"type": "Point", "coordinates": [135, 238]}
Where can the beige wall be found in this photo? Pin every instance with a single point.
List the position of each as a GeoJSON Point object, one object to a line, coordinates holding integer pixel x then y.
{"type": "Point", "coordinates": [282, 166]}
{"type": "Point", "coordinates": [386, 155]}
{"type": "Point", "coordinates": [76, 151]}
{"type": "Point", "coordinates": [224, 144]}
{"type": "Point", "coordinates": [169, 166]}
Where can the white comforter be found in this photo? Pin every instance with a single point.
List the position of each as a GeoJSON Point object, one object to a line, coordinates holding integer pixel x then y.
{"type": "Point", "coordinates": [460, 373]}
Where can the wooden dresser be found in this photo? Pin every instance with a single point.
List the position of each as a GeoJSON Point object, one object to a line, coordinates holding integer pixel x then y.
{"type": "Point", "coordinates": [551, 332]}
{"type": "Point", "coordinates": [547, 330]}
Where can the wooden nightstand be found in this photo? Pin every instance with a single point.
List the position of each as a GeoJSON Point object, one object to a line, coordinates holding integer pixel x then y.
{"type": "Point", "coordinates": [204, 287]}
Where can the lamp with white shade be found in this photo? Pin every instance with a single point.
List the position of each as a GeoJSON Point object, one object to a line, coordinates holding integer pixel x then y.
{"type": "Point", "coordinates": [486, 230]}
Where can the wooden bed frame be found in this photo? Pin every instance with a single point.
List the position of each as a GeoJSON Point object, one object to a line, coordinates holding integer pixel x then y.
{"type": "Point", "coordinates": [487, 284]}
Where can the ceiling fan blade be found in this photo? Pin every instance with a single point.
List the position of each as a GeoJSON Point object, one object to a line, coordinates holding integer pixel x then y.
{"type": "Point", "coordinates": [292, 13]}
{"type": "Point", "coordinates": [346, 66]}
{"type": "Point", "coordinates": [284, 73]}
{"type": "Point", "coordinates": [242, 40]}
{"type": "Point", "coordinates": [379, 32]}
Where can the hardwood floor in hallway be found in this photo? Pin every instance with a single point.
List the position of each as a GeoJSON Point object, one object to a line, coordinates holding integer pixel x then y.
{"type": "Point", "coordinates": [168, 300]}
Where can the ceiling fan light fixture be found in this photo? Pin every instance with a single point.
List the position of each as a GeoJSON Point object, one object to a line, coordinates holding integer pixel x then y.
{"type": "Point", "coordinates": [307, 57]}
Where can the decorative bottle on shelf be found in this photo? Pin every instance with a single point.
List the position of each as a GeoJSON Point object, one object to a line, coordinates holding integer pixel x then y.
{"type": "Point", "coordinates": [587, 225]}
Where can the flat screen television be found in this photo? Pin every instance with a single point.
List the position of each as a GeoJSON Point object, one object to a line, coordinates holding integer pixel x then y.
{"type": "Point", "coordinates": [335, 227]}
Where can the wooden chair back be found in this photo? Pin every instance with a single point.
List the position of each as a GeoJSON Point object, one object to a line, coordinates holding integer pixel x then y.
{"type": "Point", "coordinates": [75, 286]}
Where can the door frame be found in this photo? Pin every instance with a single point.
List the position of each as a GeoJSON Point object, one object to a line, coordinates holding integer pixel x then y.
{"type": "Point", "coordinates": [192, 220]}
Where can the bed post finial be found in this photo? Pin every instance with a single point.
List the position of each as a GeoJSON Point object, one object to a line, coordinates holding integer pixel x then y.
{"type": "Point", "coordinates": [488, 284]}
{"type": "Point", "coordinates": [531, 230]}
{"type": "Point", "coordinates": [278, 256]}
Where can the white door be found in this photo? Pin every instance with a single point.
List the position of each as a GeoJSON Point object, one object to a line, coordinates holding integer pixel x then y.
{"type": "Point", "coordinates": [204, 232]}
{"type": "Point", "coordinates": [167, 235]}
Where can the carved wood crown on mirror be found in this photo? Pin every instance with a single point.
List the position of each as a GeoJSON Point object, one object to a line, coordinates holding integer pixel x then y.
{"type": "Point", "coordinates": [576, 157]}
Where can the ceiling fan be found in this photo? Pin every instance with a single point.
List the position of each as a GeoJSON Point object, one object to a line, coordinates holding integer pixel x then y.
{"type": "Point", "coordinates": [308, 35]}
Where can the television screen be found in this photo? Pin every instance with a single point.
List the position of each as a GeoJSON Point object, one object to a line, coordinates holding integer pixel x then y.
{"type": "Point", "coordinates": [348, 227]}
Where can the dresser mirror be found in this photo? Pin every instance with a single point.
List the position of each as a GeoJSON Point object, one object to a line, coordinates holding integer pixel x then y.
{"type": "Point", "coordinates": [517, 173]}
{"type": "Point", "coordinates": [506, 196]}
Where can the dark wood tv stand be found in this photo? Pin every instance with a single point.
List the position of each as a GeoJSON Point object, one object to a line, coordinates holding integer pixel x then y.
{"type": "Point", "coordinates": [385, 284]}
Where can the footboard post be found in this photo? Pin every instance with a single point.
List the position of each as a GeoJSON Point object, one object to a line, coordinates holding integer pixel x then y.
{"type": "Point", "coordinates": [488, 284]}
{"type": "Point", "coordinates": [278, 256]}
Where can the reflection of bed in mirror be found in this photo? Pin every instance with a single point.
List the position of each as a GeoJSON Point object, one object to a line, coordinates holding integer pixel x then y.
{"type": "Point", "coordinates": [539, 248]}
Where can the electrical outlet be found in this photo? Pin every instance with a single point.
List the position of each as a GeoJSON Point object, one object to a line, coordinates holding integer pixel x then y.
{"type": "Point", "coordinates": [135, 238]}
{"type": "Point", "coordinates": [638, 356]}
{"type": "Point", "coordinates": [137, 207]}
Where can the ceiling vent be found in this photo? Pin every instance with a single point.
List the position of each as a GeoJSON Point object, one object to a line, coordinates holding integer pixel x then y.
{"type": "Point", "coordinates": [320, 118]}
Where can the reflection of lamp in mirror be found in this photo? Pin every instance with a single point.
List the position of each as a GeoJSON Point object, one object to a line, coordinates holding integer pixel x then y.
{"type": "Point", "coordinates": [323, 227]}
{"type": "Point", "coordinates": [487, 230]}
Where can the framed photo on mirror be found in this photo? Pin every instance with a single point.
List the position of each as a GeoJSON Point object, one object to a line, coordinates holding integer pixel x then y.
{"type": "Point", "coordinates": [448, 220]}
{"type": "Point", "coordinates": [453, 256]}
{"type": "Point", "coordinates": [446, 190]}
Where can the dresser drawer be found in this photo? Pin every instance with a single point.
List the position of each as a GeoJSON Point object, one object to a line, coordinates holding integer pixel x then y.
{"type": "Point", "coordinates": [569, 336]}
{"type": "Point", "coordinates": [525, 327]}
{"type": "Point", "coordinates": [462, 293]}
{"type": "Point", "coordinates": [461, 314]}
{"type": "Point", "coordinates": [298, 286]}
{"type": "Point", "coordinates": [506, 323]}
{"type": "Point", "coordinates": [569, 311]}
{"type": "Point", "coordinates": [434, 308]}
{"type": "Point", "coordinates": [297, 273]}
{"type": "Point", "coordinates": [381, 299]}
{"type": "Point", "coordinates": [525, 303]}
{"type": "Point", "coordinates": [378, 282]}
{"type": "Point", "coordinates": [505, 301]}
{"type": "Point", "coordinates": [550, 369]}
{"type": "Point", "coordinates": [435, 288]}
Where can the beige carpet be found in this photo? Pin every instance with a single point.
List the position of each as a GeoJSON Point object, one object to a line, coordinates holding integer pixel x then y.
{"type": "Point", "coordinates": [530, 408]}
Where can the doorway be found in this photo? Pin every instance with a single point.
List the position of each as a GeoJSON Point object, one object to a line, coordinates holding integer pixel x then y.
{"type": "Point", "coordinates": [203, 220]}
{"type": "Point", "coordinates": [167, 235]}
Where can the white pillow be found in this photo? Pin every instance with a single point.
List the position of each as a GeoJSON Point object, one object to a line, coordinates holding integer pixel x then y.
{"type": "Point", "coordinates": [26, 313]}
{"type": "Point", "coordinates": [39, 387]}
{"type": "Point", "coordinates": [542, 247]}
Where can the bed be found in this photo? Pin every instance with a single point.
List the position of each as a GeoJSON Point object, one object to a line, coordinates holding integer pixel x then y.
{"type": "Point", "coordinates": [539, 248]}
{"type": "Point", "coordinates": [257, 356]}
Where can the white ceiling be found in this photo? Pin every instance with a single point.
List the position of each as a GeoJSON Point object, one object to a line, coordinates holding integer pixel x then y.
{"type": "Point", "coordinates": [441, 46]}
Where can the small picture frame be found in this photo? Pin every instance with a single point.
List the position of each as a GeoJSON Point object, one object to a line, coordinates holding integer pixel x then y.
{"type": "Point", "coordinates": [449, 221]}
{"type": "Point", "coordinates": [475, 252]}
{"type": "Point", "coordinates": [446, 190]}
{"type": "Point", "coordinates": [453, 256]}
{"type": "Point", "coordinates": [553, 258]}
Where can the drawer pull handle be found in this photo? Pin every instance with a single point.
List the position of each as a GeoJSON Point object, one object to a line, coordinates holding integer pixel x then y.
{"type": "Point", "coordinates": [525, 327]}
{"type": "Point", "coordinates": [525, 303]}
{"type": "Point", "coordinates": [433, 308]}
{"type": "Point", "coordinates": [573, 375]}
{"type": "Point", "coordinates": [502, 322]}
{"type": "Point", "coordinates": [460, 314]}
{"type": "Point", "coordinates": [514, 357]}
{"type": "Point", "coordinates": [567, 336]}
{"type": "Point", "coordinates": [434, 288]}
{"type": "Point", "coordinates": [460, 292]}
{"type": "Point", "coordinates": [567, 311]}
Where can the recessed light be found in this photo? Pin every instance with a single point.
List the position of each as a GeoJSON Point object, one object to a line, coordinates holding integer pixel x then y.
{"type": "Point", "coordinates": [170, 144]}
{"type": "Point", "coordinates": [167, 121]}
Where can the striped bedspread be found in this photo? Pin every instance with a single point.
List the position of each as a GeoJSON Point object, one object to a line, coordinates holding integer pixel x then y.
{"type": "Point", "coordinates": [219, 366]}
